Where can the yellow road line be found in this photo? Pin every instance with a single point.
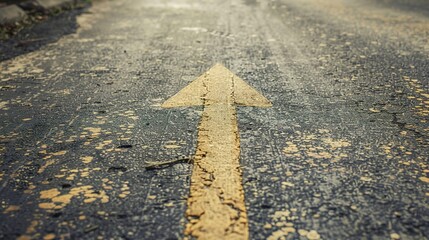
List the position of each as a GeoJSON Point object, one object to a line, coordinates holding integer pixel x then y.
{"type": "Point", "coordinates": [216, 208]}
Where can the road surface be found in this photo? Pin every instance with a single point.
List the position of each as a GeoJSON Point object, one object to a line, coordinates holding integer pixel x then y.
{"type": "Point", "coordinates": [338, 150]}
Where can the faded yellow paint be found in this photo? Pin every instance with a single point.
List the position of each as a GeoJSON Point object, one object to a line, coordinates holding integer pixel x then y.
{"type": "Point", "coordinates": [216, 208]}
{"type": "Point", "coordinates": [24, 237]}
{"type": "Point", "coordinates": [291, 150]}
{"type": "Point", "coordinates": [24, 65]}
{"type": "Point", "coordinates": [365, 179]}
{"type": "Point", "coordinates": [314, 148]}
{"type": "Point", "coordinates": [313, 235]}
{"type": "Point", "coordinates": [125, 190]}
{"type": "Point", "coordinates": [129, 114]}
{"type": "Point", "coordinates": [45, 165]}
{"type": "Point", "coordinates": [281, 233]}
{"type": "Point", "coordinates": [3, 105]}
{"type": "Point", "coordinates": [49, 236]}
{"type": "Point", "coordinates": [283, 220]}
{"type": "Point", "coordinates": [103, 144]}
{"type": "Point", "coordinates": [87, 159]}
{"type": "Point", "coordinates": [336, 143]}
{"type": "Point", "coordinates": [171, 146]}
{"type": "Point", "coordinates": [319, 155]}
{"type": "Point", "coordinates": [95, 132]}
{"type": "Point", "coordinates": [48, 194]}
{"type": "Point", "coordinates": [60, 153]}
{"type": "Point", "coordinates": [421, 96]}
{"type": "Point", "coordinates": [424, 179]}
{"type": "Point", "coordinates": [32, 228]}
{"type": "Point", "coordinates": [58, 201]}
{"type": "Point", "coordinates": [11, 208]}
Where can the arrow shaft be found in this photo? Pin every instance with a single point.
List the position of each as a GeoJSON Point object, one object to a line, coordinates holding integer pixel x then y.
{"type": "Point", "coordinates": [216, 208]}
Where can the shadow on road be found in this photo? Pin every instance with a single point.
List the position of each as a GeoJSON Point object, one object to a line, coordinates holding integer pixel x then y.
{"type": "Point", "coordinates": [34, 37]}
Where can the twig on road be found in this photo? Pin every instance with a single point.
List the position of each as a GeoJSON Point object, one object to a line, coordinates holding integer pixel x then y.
{"type": "Point", "coordinates": [155, 165]}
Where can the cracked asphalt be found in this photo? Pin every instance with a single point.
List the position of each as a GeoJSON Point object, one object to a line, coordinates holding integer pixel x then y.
{"type": "Point", "coordinates": [341, 154]}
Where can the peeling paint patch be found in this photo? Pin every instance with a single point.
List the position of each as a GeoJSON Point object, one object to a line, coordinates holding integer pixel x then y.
{"type": "Point", "coordinates": [60, 153]}
{"type": "Point", "coordinates": [11, 208]}
{"type": "Point", "coordinates": [397, 151]}
{"type": "Point", "coordinates": [23, 65]}
{"type": "Point", "coordinates": [316, 147]}
{"type": "Point", "coordinates": [421, 96]}
{"type": "Point", "coordinates": [365, 179]}
{"type": "Point", "coordinates": [125, 190]}
{"type": "Point", "coordinates": [284, 228]}
{"type": "Point", "coordinates": [71, 174]}
{"type": "Point", "coordinates": [336, 143]}
{"type": "Point", "coordinates": [3, 105]}
{"type": "Point", "coordinates": [281, 222]}
{"type": "Point", "coordinates": [424, 179]}
{"type": "Point", "coordinates": [48, 163]}
{"type": "Point", "coordinates": [87, 159]}
{"type": "Point", "coordinates": [131, 114]}
{"type": "Point", "coordinates": [95, 132]}
{"type": "Point", "coordinates": [30, 230]}
{"type": "Point", "coordinates": [56, 200]}
{"type": "Point", "coordinates": [49, 236]}
{"type": "Point", "coordinates": [48, 159]}
{"type": "Point", "coordinates": [103, 144]}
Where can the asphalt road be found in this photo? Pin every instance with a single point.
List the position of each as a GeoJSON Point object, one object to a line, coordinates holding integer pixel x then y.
{"type": "Point", "coordinates": [342, 153]}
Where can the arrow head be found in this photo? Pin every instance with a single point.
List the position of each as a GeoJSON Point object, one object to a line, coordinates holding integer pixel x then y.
{"type": "Point", "coordinates": [217, 85]}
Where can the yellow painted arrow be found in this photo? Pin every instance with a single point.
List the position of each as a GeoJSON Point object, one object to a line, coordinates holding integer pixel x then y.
{"type": "Point", "coordinates": [216, 208]}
